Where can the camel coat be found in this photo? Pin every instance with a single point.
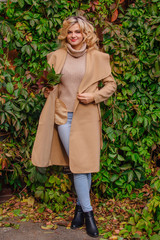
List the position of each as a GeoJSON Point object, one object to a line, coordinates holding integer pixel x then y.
{"type": "Point", "coordinates": [85, 133]}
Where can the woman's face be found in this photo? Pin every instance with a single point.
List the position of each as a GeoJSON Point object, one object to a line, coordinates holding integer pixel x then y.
{"type": "Point", "coordinates": [75, 37]}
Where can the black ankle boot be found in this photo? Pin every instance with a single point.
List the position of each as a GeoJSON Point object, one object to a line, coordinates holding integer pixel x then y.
{"type": "Point", "coordinates": [91, 227]}
{"type": "Point", "coordinates": [78, 219]}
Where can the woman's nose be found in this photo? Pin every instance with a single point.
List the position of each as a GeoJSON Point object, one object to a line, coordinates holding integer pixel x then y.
{"type": "Point", "coordinates": [73, 34]}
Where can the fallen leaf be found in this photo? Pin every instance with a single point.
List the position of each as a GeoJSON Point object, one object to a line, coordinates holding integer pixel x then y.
{"type": "Point", "coordinates": [55, 227]}
{"type": "Point", "coordinates": [113, 237]}
{"type": "Point", "coordinates": [16, 226]}
{"type": "Point", "coordinates": [139, 233]}
{"type": "Point", "coordinates": [48, 223]}
{"type": "Point", "coordinates": [23, 220]}
{"type": "Point", "coordinates": [1, 211]}
{"type": "Point", "coordinates": [47, 227]}
{"type": "Point", "coordinates": [62, 223]}
{"type": "Point", "coordinates": [49, 210]}
{"type": "Point", "coordinates": [31, 201]}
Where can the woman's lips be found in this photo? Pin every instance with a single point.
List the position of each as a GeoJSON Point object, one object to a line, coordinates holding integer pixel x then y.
{"type": "Point", "coordinates": [73, 40]}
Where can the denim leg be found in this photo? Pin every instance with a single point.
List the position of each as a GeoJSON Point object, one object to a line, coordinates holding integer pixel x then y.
{"type": "Point", "coordinates": [82, 189]}
{"type": "Point", "coordinates": [64, 132]}
{"type": "Point", "coordinates": [89, 176]}
{"type": "Point", "coordinates": [82, 182]}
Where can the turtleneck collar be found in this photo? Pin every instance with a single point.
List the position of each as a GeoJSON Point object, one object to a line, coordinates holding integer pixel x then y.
{"type": "Point", "coordinates": [76, 53]}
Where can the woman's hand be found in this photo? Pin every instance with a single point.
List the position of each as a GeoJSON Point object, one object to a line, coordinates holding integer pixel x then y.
{"type": "Point", "coordinates": [85, 98]}
{"type": "Point", "coordinates": [47, 91]}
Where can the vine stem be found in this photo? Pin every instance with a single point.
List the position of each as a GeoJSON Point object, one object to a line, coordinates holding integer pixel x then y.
{"type": "Point", "coordinates": [22, 191]}
{"type": "Point", "coordinates": [24, 12]}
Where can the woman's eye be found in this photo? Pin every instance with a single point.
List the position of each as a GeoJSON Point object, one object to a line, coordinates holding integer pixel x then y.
{"type": "Point", "coordinates": [75, 32]}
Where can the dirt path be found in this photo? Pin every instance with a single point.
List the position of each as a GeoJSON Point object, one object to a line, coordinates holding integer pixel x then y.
{"type": "Point", "coordinates": [33, 231]}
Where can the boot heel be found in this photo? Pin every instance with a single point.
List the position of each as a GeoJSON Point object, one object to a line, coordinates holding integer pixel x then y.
{"type": "Point", "coordinates": [78, 219]}
{"type": "Point", "coordinates": [91, 227]}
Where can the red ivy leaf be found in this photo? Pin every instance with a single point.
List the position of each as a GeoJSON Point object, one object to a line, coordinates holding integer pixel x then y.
{"type": "Point", "coordinates": [114, 15]}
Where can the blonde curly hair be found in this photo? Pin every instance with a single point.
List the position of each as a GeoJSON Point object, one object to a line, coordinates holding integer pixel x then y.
{"type": "Point", "coordinates": [87, 30]}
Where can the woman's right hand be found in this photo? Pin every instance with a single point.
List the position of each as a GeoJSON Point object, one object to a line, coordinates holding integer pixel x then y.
{"type": "Point", "coordinates": [47, 91]}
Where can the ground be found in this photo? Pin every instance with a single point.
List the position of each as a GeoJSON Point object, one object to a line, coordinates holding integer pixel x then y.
{"type": "Point", "coordinates": [32, 231]}
{"type": "Point", "coordinates": [22, 217]}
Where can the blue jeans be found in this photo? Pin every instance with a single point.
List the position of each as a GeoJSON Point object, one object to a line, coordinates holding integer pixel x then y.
{"type": "Point", "coordinates": [82, 182]}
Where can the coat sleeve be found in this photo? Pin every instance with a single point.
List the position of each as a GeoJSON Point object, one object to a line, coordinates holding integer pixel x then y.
{"type": "Point", "coordinates": [107, 90]}
{"type": "Point", "coordinates": [109, 84]}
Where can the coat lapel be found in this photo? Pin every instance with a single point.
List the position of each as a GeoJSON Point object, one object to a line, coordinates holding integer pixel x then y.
{"type": "Point", "coordinates": [97, 68]}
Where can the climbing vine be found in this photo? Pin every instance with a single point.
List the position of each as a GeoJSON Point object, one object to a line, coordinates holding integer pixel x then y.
{"type": "Point", "coordinates": [130, 34]}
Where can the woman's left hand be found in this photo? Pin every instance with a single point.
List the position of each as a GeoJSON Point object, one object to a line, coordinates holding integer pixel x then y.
{"type": "Point", "coordinates": [85, 97]}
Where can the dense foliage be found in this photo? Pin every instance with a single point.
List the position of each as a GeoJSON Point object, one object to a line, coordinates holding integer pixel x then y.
{"type": "Point", "coordinates": [130, 118]}
{"type": "Point", "coordinates": [28, 34]}
{"type": "Point", "coordinates": [145, 224]}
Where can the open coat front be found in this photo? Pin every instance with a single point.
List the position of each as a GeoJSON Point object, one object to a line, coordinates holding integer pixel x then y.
{"type": "Point", "coordinates": [85, 134]}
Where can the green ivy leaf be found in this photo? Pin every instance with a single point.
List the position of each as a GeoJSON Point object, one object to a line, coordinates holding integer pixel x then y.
{"type": "Point", "coordinates": [21, 3]}
{"type": "Point", "coordinates": [129, 188]}
{"type": "Point", "coordinates": [138, 174]}
{"type": "Point", "coordinates": [52, 179]}
{"type": "Point", "coordinates": [46, 197]}
{"type": "Point", "coordinates": [9, 87]}
{"type": "Point", "coordinates": [114, 178]}
{"type": "Point", "coordinates": [126, 166]}
{"type": "Point", "coordinates": [10, 12]}
{"type": "Point", "coordinates": [32, 22]}
{"type": "Point", "coordinates": [41, 209]}
{"type": "Point", "coordinates": [28, 50]}
{"type": "Point", "coordinates": [120, 158]}
{"type": "Point", "coordinates": [85, 6]}
{"type": "Point", "coordinates": [125, 148]}
{"type": "Point", "coordinates": [29, 2]}
{"type": "Point", "coordinates": [39, 193]}
{"type": "Point", "coordinates": [2, 118]}
{"type": "Point", "coordinates": [15, 108]}
{"type": "Point", "coordinates": [20, 71]}
{"type": "Point", "coordinates": [155, 237]}
{"type": "Point", "coordinates": [130, 176]}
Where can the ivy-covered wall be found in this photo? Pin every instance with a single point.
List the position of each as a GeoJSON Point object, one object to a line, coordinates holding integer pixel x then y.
{"type": "Point", "coordinates": [131, 132]}
{"type": "Point", "coordinates": [131, 118]}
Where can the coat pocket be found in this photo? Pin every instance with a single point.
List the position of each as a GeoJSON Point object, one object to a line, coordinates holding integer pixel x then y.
{"type": "Point", "coordinates": [60, 116]}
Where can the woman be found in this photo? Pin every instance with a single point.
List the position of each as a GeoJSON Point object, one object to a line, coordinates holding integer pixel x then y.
{"type": "Point", "coordinates": [69, 131]}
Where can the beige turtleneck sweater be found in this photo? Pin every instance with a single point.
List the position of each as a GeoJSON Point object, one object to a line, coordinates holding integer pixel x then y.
{"type": "Point", "coordinates": [72, 75]}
